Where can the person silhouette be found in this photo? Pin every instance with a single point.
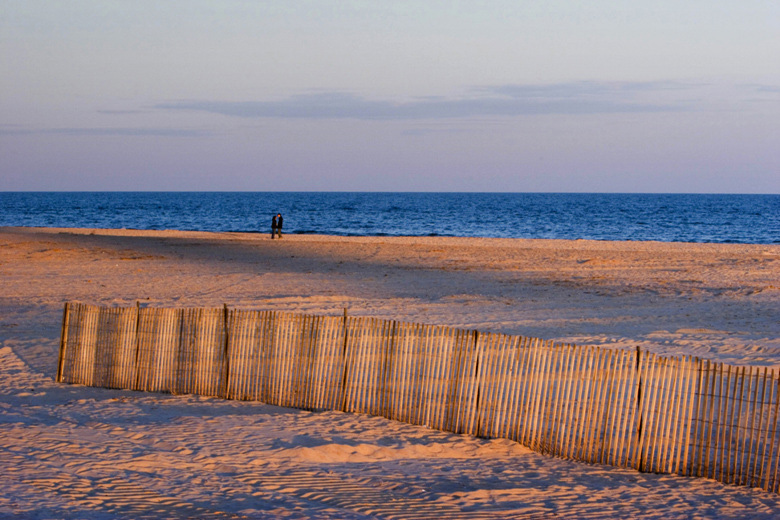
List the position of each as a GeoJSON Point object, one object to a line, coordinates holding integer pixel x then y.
{"type": "Point", "coordinates": [276, 225]}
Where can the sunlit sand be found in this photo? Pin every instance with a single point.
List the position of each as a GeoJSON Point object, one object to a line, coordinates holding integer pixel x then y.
{"type": "Point", "coordinates": [72, 451]}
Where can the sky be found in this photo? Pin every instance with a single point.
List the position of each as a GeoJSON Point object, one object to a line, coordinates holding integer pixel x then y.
{"type": "Point", "coordinates": [669, 96]}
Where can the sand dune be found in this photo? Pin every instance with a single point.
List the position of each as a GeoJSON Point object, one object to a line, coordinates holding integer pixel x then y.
{"type": "Point", "coordinates": [76, 452]}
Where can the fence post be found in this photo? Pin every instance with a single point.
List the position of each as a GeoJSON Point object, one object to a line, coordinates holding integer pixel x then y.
{"type": "Point", "coordinates": [137, 345]}
{"type": "Point", "coordinates": [476, 410]}
{"type": "Point", "coordinates": [639, 407]}
{"type": "Point", "coordinates": [226, 377]}
{"type": "Point", "coordinates": [63, 340]}
{"type": "Point", "coordinates": [344, 357]}
{"type": "Point", "coordinates": [390, 406]}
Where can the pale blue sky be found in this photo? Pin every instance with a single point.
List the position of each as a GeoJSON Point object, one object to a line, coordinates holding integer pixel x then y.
{"type": "Point", "coordinates": [459, 95]}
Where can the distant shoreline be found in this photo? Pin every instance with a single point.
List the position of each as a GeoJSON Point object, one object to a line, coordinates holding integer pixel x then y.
{"type": "Point", "coordinates": [401, 239]}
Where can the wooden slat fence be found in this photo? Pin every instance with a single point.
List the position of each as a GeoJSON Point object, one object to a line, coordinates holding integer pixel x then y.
{"type": "Point", "coordinates": [625, 408]}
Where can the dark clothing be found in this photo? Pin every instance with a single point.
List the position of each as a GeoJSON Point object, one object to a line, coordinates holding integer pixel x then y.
{"type": "Point", "coordinates": [276, 225]}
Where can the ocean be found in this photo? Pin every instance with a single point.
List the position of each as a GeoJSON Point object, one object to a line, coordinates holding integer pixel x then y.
{"type": "Point", "coordinates": [751, 219]}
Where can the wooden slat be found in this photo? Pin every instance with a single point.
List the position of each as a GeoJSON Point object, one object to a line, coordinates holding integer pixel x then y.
{"type": "Point", "coordinates": [411, 366]}
{"type": "Point", "coordinates": [685, 467]}
{"type": "Point", "coordinates": [508, 357]}
{"type": "Point", "coordinates": [591, 385]}
{"type": "Point", "coordinates": [759, 450]}
{"type": "Point", "coordinates": [477, 398]}
{"type": "Point", "coordinates": [442, 377]}
{"type": "Point", "coordinates": [63, 340]}
{"type": "Point", "coordinates": [266, 341]}
{"type": "Point", "coordinates": [275, 358]}
{"type": "Point", "coordinates": [297, 360]}
{"type": "Point", "coordinates": [607, 379]}
{"type": "Point", "coordinates": [719, 437]}
{"type": "Point", "coordinates": [674, 419]}
{"type": "Point", "coordinates": [333, 395]}
{"type": "Point", "coordinates": [776, 445]}
{"type": "Point", "coordinates": [459, 374]}
{"type": "Point", "coordinates": [568, 373]}
{"type": "Point", "coordinates": [426, 365]}
{"type": "Point", "coordinates": [608, 406]}
{"type": "Point", "coordinates": [595, 385]}
{"type": "Point", "coordinates": [623, 424]}
{"type": "Point", "coordinates": [773, 482]}
{"type": "Point", "coordinates": [331, 377]}
{"type": "Point", "coordinates": [451, 380]}
{"type": "Point", "coordinates": [734, 420]}
{"type": "Point", "coordinates": [556, 408]}
{"type": "Point", "coordinates": [538, 396]}
{"type": "Point", "coordinates": [643, 387]}
{"type": "Point", "coordinates": [594, 360]}
{"type": "Point", "coordinates": [386, 381]}
{"type": "Point", "coordinates": [419, 386]}
{"type": "Point", "coordinates": [749, 445]}
{"type": "Point", "coordinates": [648, 393]}
{"type": "Point", "coordinates": [308, 361]}
{"type": "Point", "coordinates": [604, 380]}
{"type": "Point", "coordinates": [571, 441]}
{"type": "Point", "coordinates": [398, 374]}
{"type": "Point", "coordinates": [723, 408]}
{"type": "Point", "coordinates": [551, 395]}
{"type": "Point", "coordinates": [235, 355]}
{"type": "Point", "coordinates": [404, 372]}
{"type": "Point", "coordinates": [356, 340]}
{"type": "Point", "coordinates": [417, 362]}
{"type": "Point", "coordinates": [664, 410]}
{"type": "Point", "coordinates": [578, 376]}
{"type": "Point", "coordinates": [496, 379]}
{"type": "Point", "coordinates": [514, 381]}
{"type": "Point", "coordinates": [710, 421]}
{"type": "Point", "coordinates": [382, 341]}
{"type": "Point", "coordinates": [518, 411]}
{"type": "Point", "coordinates": [320, 362]}
{"type": "Point", "coordinates": [562, 380]}
{"type": "Point", "coordinates": [436, 349]}
{"type": "Point", "coordinates": [701, 406]}
{"type": "Point", "coordinates": [769, 439]}
{"type": "Point", "coordinates": [741, 431]}
{"type": "Point", "coordinates": [487, 386]}
{"type": "Point", "coordinates": [535, 391]}
{"type": "Point", "coordinates": [530, 391]}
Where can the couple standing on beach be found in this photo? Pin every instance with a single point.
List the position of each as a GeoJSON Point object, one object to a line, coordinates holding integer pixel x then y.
{"type": "Point", "coordinates": [276, 225]}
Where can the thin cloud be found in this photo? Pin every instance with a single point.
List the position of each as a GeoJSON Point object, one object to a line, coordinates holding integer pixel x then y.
{"type": "Point", "coordinates": [506, 101]}
{"type": "Point", "coordinates": [14, 130]}
{"type": "Point", "coordinates": [617, 92]}
{"type": "Point", "coordinates": [120, 112]}
{"type": "Point", "coordinates": [771, 89]}
{"type": "Point", "coordinates": [130, 132]}
{"type": "Point", "coordinates": [121, 132]}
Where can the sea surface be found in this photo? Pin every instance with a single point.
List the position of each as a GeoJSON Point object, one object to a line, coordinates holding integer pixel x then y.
{"type": "Point", "coordinates": [669, 218]}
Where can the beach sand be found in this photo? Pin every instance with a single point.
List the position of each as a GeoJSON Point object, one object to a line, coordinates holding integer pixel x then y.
{"type": "Point", "coordinates": [78, 452]}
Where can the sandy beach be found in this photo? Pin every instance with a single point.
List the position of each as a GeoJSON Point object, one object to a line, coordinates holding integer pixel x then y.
{"type": "Point", "coordinates": [78, 452]}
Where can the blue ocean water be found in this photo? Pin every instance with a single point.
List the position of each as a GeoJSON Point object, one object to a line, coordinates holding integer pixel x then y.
{"type": "Point", "coordinates": [669, 218]}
